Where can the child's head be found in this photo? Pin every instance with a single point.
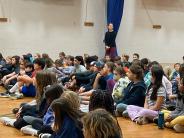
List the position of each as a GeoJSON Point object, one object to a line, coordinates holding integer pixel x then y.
{"type": "Point", "coordinates": [118, 64]}
{"type": "Point", "coordinates": [15, 60]}
{"type": "Point", "coordinates": [119, 72]}
{"type": "Point", "coordinates": [101, 99]}
{"type": "Point", "coordinates": [53, 92]}
{"type": "Point", "coordinates": [156, 80]}
{"type": "Point", "coordinates": [135, 56]}
{"type": "Point", "coordinates": [22, 64]}
{"type": "Point", "coordinates": [153, 63]}
{"type": "Point", "coordinates": [78, 61]}
{"type": "Point", "coordinates": [27, 58]}
{"type": "Point", "coordinates": [29, 67]}
{"type": "Point", "coordinates": [136, 62]}
{"type": "Point", "coordinates": [62, 108]}
{"type": "Point", "coordinates": [107, 58]}
{"type": "Point", "coordinates": [144, 63]}
{"type": "Point", "coordinates": [108, 68]}
{"type": "Point", "coordinates": [69, 60]}
{"type": "Point", "coordinates": [125, 58]}
{"type": "Point", "coordinates": [8, 60]}
{"type": "Point", "coordinates": [37, 55]}
{"type": "Point", "coordinates": [62, 55]}
{"type": "Point", "coordinates": [177, 67]}
{"type": "Point", "coordinates": [98, 66]}
{"type": "Point", "coordinates": [117, 58]}
{"type": "Point", "coordinates": [156, 74]}
{"type": "Point", "coordinates": [48, 63]}
{"type": "Point", "coordinates": [89, 60]}
{"type": "Point", "coordinates": [45, 55]}
{"type": "Point", "coordinates": [39, 64]}
{"type": "Point", "coordinates": [58, 63]}
{"type": "Point", "coordinates": [135, 73]}
{"type": "Point", "coordinates": [43, 79]}
{"type": "Point", "coordinates": [73, 98]}
{"type": "Point", "coordinates": [100, 124]}
{"type": "Point", "coordinates": [167, 71]}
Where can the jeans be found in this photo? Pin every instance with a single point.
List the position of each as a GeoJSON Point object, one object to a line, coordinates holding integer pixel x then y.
{"type": "Point", "coordinates": [31, 119]}
{"type": "Point", "coordinates": [122, 109]}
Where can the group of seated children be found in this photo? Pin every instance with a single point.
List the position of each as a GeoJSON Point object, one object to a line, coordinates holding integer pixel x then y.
{"type": "Point", "coordinates": [81, 96]}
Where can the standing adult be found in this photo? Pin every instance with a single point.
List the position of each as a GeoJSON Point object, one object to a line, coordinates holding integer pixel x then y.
{"type": "Point", "coordinates": [110, 43]}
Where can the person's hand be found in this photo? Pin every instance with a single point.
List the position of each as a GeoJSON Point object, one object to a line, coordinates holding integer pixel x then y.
{"type": "Point", "coordinates": [7, 82]}
{"type": "Point", "coordinates": [168, 119]}
{"type": "Point", "coordinates": [73, 77]}
{"type": "Point", "coordinates": [4, 78]}
{"type": "Point", "coordinates": [107, 47]}
{"type": "Point", "coordinates": [98, 75]}
{"type": "Point", "coordinates": [171, 97]}
{"type": "Point", "coordinates": [18, 113]}
{"type": "Point", "coordinates": [81, 90]}
{"type": "Point", "coordinates": [178, 79]}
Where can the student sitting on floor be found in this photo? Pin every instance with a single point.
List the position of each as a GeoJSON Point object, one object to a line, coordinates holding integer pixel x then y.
{"type": "Point", "coordinates": [86, 90]}
{"type": "Point", "coordinates": [36, 108]}
{"type": "Point", "coordinates": [43, 125]}
{"type": "Point", "coordinates": [175, 119]}
{"type": "Point", "coordinates": [25, 82]}
{"type": "Point", "coordinates": [155, 99]}
{"type": "Point", "coordinates": [102, 99]}
{"type": "Point", "coordinates": [105, 75]}
{"type": "Point", "coordinates": [14, 92]}
{"type": "Point", "coordinates": [85, 80]}
{"type": "Point", "coordinates": [121, 83]}
{"type": "Point", "coordinates": [67, 120]}
{"type": "Point", "coordinates": [134, 93]}
{"type": "Point", "coordinates": [79, 64]}
{"type": "Point", "coordinates": [11, 78]}
{"type": "Point", "coordinates": [6, 68]}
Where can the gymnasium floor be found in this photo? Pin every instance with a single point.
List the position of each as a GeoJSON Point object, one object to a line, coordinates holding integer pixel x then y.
{"type": "Point", "coordinates": [129, 129]}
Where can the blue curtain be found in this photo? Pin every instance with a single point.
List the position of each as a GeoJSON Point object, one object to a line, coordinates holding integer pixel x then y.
{"type": "Point", "coordinates": [115, 12]}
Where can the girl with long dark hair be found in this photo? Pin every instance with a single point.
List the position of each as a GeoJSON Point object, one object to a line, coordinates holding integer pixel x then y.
{"type": "Point", "coordinates": [155, 99]}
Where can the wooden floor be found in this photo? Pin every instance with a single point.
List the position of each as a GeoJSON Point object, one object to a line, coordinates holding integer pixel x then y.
{"type": "Point", "coordinates": [129, 129]}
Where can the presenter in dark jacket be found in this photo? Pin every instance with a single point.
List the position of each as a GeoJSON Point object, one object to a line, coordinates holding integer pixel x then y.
{"type": "Point", "coordinates": [110, 44]}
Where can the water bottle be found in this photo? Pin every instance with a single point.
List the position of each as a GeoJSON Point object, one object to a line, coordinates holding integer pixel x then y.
{"type": "Point", "coordinates": [160, 120]}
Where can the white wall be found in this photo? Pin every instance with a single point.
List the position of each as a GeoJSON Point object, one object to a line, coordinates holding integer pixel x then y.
{"type": "Point", "coordinates": [136, 33]}
{"type": "Point", "coordinates": [52, 26]}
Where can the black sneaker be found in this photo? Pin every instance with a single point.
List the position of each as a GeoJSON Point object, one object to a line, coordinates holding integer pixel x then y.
{"type": "Point", "coordinates": [8, 87]}
{"type": "Point", "coordinates": [16, 96]}
{"type": "Point", "coordinates": [155, 120]}
{"type": "Point", "coordinates": [15, 110]}
{"type": "Point", "coordinates": [5, 94]}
